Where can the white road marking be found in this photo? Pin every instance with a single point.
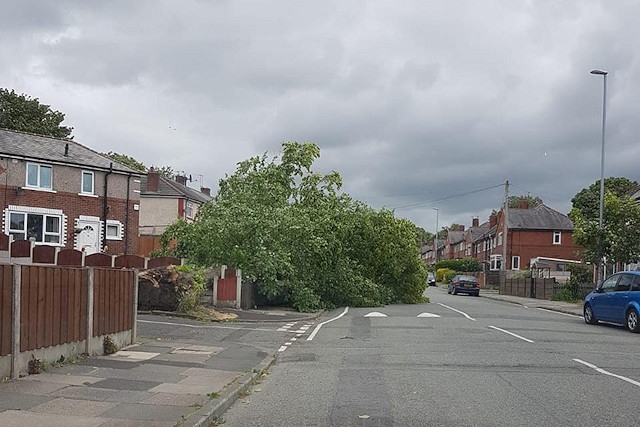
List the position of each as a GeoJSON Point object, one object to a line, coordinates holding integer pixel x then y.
{"type": "Point", "coordinates": [558, 312]}
{"type": "Point", "coordinates": [287, 343]}
{"type": "Point", "coordinates": [315, 331]}
{"type": "Point", "coordinates": [428, 315]}
{"type": "Point", "coordinates": [511, 333]}
{"type": "Point", "coordinates": [375, 314]}
{"type": "Point", "coordinates": [458, 311]}
{"type": "Point", "coordinates": [602, 371]}
{"type": "Point", "coordinates": [282, 348]}
{"type": "Point", "coordinates": [186, 325]}
{"type": "Point", "coordinates": [294, 339]}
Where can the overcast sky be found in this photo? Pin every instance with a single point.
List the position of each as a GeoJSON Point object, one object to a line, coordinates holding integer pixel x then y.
{"type": "Point", "coordinates": [417, 104]}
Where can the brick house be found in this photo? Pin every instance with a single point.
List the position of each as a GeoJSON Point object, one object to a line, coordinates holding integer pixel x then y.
{"type": "Point", "coordinates": [162, 201]}
{"type": "Point", "coordinates": [58, 192]}
{"type": "Point", "coordinates": [539, 232]}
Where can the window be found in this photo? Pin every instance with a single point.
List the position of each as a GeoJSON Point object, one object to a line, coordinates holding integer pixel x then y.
{"type": "Point", "coordinates": [515, 263]}
{"type": "Point", "coordinates": [557, 237]}
{"type": "Point", "coordinates": [189, 210]}
{"type": "Point", "coordinates": [499, 239]}
{"type": "Point", "coordinates": [87, 183]}
{"type": "Point", "coordinates": [624, 284]}
{"type": "Point", "coordinates": [39, 176]}
{"type": "Point", "coordinates": [636, 283]}
{"type": "Point", "coordinates": [114, 230]}
{"type": "Point", "coordinates": [496, 262]}
{"type": "Point", "coordinates": [610, 284]}
{"type": "Point", "coordinates": [42, 228]}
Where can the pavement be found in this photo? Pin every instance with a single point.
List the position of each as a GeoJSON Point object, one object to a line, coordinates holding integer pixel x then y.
{"type": "Point", "coordinates": [559, 306]}
{"type": "Point", "coordinates": [161, 383]}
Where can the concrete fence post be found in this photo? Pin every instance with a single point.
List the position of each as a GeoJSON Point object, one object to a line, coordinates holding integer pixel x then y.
{"type": "Point", "coordinates": [15, 340]}
{"type": "Point", "coordinates": [134, 307]}
{"type": "Point", "coordinates": [238, 288]}
{"type": "Point", "coordinates": [90, 284]}
{"type": "Point", "coordinates": [214, 295]}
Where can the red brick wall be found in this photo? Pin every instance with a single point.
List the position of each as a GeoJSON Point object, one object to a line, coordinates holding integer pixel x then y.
{"type": "Point", "coordinates": [530, 244]}
{"type": "Point", "coordinates": [73, 206]}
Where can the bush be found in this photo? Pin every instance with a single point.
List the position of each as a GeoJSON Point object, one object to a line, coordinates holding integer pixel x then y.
{"type": "Point", "coordinates": [445, 275]}
{"type": "Point", "coordinates": [462, 265]}
{"type": "Point", "coordinates": [190, 301]}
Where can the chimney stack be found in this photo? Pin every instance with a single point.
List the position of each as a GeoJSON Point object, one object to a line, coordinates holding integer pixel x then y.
{"type": "Point", "coordinates": [493, 220]}
{"type": "Point", "coordinates": [153, 180]}
{"type": "Point", "coordinates": [206, 191]}
{"type": "Point", "coordinates": [180, 179]}
{"type": "Point", "coordinates": [475, 221]}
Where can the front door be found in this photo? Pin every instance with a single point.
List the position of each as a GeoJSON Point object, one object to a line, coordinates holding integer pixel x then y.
{"type": "Point", "coordinates": [88, 235]}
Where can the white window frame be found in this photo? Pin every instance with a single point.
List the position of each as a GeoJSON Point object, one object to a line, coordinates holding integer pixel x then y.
{"type": "Point", "coordinates": [38, 185]}
{"type": "Point", "coordinates": [515, 262]}
{"type": "Point", "coordinates": [45, 213]}
{"type": "Point", "coordinates": [499, 239]}
{"type": "Point", "coordinates": [188, 209]}
{"type": "Point", "coordinates": [93, 183]}
{"type": "Point", "coordinates": [494, 260]}
{"type": "Point", "coordinates": [557, 237]}
{"type": "Point", "coordinates": [119, 227]}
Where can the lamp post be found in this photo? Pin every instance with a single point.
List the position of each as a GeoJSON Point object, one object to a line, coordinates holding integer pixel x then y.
{"type": "Point", "coordinates": [600, 221]}
{"type": "Point", "coordinates": [436, 244]}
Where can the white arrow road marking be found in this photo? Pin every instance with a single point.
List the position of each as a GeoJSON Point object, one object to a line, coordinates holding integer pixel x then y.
{"type": "Point", "coordinates": [511, 333]}
{"type": "Point", "coordinates": [428, 315]}
{"type": "Point", "coordinates": [375, 314]}
{"type": "Point", "coordinates": [602, 371]}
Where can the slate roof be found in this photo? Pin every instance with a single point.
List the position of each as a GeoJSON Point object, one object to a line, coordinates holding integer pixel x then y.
{"type": "Point", "coordinates": [479, 231]}
{"type": "Point", "coordinates": [541, 217]}
{"type": "Point", "coordinates": [47, 149]}
{"type": "Point", "coordinates": [455, 236]}
{"type": "Point", "coordinates": [171, 189]}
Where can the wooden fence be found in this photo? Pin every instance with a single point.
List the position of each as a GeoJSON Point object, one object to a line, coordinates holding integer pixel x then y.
{"type": "Point", "coordinates": [25, 252]}
{"type": "Point", "coordinates": [49, 311]}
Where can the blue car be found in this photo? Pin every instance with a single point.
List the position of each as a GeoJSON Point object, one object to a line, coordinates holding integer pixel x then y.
{"type": "Point", "coordinates": [616, 300]}
{"type": "Point", "coordinates": [461, 284]}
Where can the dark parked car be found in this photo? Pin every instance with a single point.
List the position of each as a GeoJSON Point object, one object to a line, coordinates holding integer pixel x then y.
{"type": "Point", "coordinates": [616, 300]}
{"type": "Point", "coordinates": [464, 285]}
{"type": "Point", "coordinates": [431, 279]}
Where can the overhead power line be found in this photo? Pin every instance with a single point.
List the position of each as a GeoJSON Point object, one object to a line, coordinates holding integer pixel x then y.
{"type": "Point", "coordinates": [427, 202]}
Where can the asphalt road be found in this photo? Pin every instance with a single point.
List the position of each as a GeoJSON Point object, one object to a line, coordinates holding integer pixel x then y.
{"type": "Point", "coordinates": [480, 363]}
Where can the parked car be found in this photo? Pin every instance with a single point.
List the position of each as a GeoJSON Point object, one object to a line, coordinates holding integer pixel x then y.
{"type": "Point", "coordinates": [431, 279]}
{"type": "Point", "coordinates": [461, 284]}
{"type": "Point", "coordinates": [616, 300]}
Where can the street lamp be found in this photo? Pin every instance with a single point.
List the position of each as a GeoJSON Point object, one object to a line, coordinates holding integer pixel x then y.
{"type": "Point", "coordinates": [604, 122]}
{"type": "Point", "coordinates": [436, 245]}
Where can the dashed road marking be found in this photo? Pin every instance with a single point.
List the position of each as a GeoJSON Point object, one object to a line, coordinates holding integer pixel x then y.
{"type": "Point", "coordinates": [458, 311]}
{"type": "Point", "coordinates": [511, 333]}
{"type": "Point", "coordinates": [428, 315]}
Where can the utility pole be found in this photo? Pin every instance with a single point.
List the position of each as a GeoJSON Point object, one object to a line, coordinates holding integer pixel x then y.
{"type": "Point", "coordinates": [436, 239]}
{"type": "Point", "coordinates": [504, 225]}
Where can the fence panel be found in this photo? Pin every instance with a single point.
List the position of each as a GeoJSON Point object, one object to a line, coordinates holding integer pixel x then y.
{"type": "Point", "coordinates": [113, 301]}
{"type": "Point", "coordinates": [52, 310]}
{"type": "Point", "coordinates": [227, 289]}
{"type": "Point", "coordinates": [6, 308]}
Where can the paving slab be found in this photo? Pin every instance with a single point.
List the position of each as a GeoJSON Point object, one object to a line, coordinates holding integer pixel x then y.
{"type": "Point", "coordinates": [214, 382]}
{"type": "Point", "coordinates": [123, 384]}
{"type": "Point", "coordinates": [87, 393]}
{"type": "Point", "coordinates": [21, 402]}
{"type": "Point", "coordinates": [67, 379]}
{"type": "Point", "coordinates": [145, 412]}
{"type": "Point", "coordinates": [32, 419]}
{"type": "Point", "coordinates": [177, 399]}
{"type": "Point", "coordinates": [140, 375]}
{"type": "Point", "coordinates": [137, 423]}
{"type": "Point", "coordinates": [202, 390]}
{"type": "Point", "coordinates": [30, 387]}
{"type": "Point", "coordinates": [83, 408]}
